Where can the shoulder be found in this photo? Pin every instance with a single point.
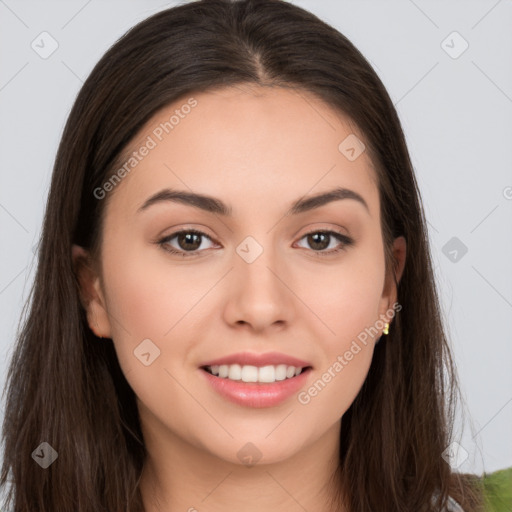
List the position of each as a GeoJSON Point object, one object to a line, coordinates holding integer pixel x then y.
{"type": "Point", "coordinates": [453, 506]}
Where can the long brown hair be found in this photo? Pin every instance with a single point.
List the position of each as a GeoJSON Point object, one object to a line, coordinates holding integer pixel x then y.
{"type": "Point", "coordinates": [66, 388]}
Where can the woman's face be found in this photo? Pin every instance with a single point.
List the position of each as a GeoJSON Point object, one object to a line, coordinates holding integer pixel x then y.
{"type": "Point", "coordinates": [260, 277]}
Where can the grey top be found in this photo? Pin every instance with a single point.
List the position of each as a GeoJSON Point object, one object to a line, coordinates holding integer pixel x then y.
{"type": "Point", "coordinates": [453, 506]}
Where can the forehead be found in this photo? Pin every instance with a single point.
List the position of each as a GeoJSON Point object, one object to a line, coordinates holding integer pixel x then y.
{"type": "Point", "coordinates": [246, 141]}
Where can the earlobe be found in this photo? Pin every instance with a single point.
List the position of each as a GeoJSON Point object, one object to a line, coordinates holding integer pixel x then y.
{"type": "Point", "coordinates": [91, 294]}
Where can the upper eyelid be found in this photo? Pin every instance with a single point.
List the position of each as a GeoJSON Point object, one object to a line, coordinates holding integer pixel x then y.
{"type": "Point", "coordinates": [167, 238]}
{"type": "Point", "coordinates": [330, 231]}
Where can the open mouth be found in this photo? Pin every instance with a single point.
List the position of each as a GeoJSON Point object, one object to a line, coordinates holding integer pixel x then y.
{"type": "Point", "coordinates": [253, 374]}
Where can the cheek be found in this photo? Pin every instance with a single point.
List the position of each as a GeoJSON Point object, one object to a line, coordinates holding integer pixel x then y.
{"type": "Point", "coordinates": [347, 299]}
{"type": "Point", "coordinates": [337, 384]}
{"type": "Point", "coordinates": [350, 310]}
{"type": "Point", "coordinates": [147, 294]}
{"type": "Point", "coordinates": [148, 299]}
{"type": "Point", "coordinates": [346, 296]}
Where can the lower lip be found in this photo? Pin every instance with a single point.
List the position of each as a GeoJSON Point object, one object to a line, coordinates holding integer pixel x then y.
{"type": "Point", "coordinates": [255, 394]}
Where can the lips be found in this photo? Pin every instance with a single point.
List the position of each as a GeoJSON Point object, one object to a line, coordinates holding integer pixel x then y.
{"type": "Point", "coordinates": [254, 359]}
{"type": "Point", "coordinates": [257, 395]}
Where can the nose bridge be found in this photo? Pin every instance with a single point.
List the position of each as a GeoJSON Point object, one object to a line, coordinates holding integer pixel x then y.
{"type": "Point", "coordinates": [255, 259]}
{"type": "Point", "coordinates": [260, 298]}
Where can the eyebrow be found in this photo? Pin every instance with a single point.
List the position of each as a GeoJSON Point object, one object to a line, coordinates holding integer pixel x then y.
{"type": "Point", "coordinates": [216, 206]}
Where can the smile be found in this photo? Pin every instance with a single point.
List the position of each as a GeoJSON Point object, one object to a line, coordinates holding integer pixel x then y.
{"type": "Point", "coordinates": [250, 386]}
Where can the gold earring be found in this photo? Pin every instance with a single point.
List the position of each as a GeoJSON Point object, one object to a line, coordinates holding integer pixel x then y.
{"type": "Point", "coordinates": [386, 329]}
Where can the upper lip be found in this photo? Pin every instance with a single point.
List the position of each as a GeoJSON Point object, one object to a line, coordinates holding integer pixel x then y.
{"type": "Point", "coordinates": [253, 359]}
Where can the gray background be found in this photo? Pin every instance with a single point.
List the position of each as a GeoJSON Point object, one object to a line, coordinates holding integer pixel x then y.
{"type": "Point", "coordinates": [456, 112]}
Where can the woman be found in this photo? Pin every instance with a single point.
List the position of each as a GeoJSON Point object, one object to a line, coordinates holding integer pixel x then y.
{"type": "Point", "coordinates": [234, 304]}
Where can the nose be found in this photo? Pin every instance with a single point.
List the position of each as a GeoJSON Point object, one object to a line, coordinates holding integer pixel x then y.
{"type": "Point", "coordinates": [259, 294]}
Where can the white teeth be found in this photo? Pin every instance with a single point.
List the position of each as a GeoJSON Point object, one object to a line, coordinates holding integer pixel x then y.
{"type": "Point", "coordinates": [281, 371]}
{"type": "Point", "coordinates": [235, 372]}
{"type": "Point", "coordinates": [249, 373]}
{"type": "Point", "coordinates": [267, 374]}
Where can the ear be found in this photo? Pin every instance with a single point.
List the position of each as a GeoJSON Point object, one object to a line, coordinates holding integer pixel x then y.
{"type": "Point", "coordinates": [91, 294]}
{"type": "Point", "coordinates": [390, 292]}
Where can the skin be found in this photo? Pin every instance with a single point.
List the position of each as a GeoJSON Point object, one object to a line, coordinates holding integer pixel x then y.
{"type": "Point", "coordinates": [258, 150]}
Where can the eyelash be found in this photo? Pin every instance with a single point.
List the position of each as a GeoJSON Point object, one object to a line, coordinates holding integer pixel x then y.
{"type": "Point", "coordinates": [343, 239]}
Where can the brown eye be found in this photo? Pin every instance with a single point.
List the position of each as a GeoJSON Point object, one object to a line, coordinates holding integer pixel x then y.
{"type": "Point", "coordinates": [188, 241]}
{"type": "Point", "coordinates": [319, 241]}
